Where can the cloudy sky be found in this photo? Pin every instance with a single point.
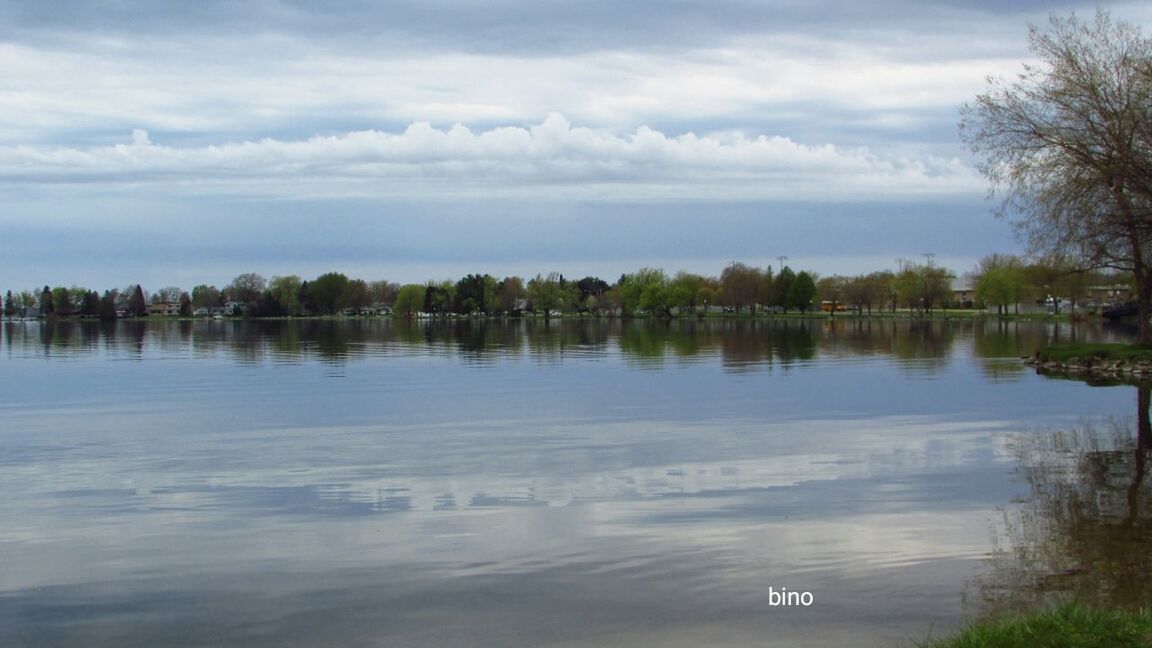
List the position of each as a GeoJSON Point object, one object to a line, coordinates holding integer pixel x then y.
{"type": "Point", "coordinates": [167, 142]}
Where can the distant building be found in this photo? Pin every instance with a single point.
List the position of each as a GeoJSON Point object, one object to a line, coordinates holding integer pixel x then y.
{"type": "Point", "coordinates": [169, 309]}
{"type": "Point", "coordinates": [1114, 294]}
{"type": "Point", "coordinates": [236, 308]}
{"type": "Point", "coordinates": [963, 293]}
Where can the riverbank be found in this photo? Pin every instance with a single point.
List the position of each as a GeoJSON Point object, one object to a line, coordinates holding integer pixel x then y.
{"type": "Point", "coordinates": [1099, 361]}
{"type": "Point", "coordinates": [1070, 626]}
{"type": "Point", "coordinates": [939, 315]}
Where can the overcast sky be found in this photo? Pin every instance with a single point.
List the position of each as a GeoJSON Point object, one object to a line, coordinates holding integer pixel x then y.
{"type": "Point", "coordinates": [174, 143]}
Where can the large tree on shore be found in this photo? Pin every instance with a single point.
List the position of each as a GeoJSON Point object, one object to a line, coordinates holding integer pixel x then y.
{"type": "Point", "coordinates": [1069, 145]}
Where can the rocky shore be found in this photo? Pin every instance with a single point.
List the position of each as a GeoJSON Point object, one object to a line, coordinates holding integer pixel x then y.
{"type": "Point", "coordinates": [1093, 367]}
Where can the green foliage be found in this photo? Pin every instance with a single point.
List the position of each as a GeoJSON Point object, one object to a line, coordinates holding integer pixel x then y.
{"type": "Point", "coordinates": [1069, 626]}
{"type": "Point", "coordinates": [1066, 144]}
{"type": "Point", "coordinates": [90, 304]}
{"type": "Point", "coordinates": [923, 287]}
{"type": "Point", "coordinates": [1000, 287]}
{"type": "Point", "coordinates": [107, 308]}
{"type": "Point", "coordinates": [551, 293]}
{"type": "Point", "coordinates": [438, 297]}
{"type": "Point", "coordinates": [649, 289]}
{"type": "Point", "coordinates": [205, 296]}
{"type": "Point", "coordinates": [286, 291]}
{"type": "Point", "coordinates": [355, 295]}
{"type": "Point", "coordinates": [782, 289]}
{"type": "Point", "coordinates": [62, 302]}
{"type": "Point", "coordinates": [1126, 352]}
{"type": "Point", "coordinates": [322, 296]}
{"type": "Point", "coordinates": [409, 300]}
{"type": "Point", "coordinates": [591, 290]}
{"type": "Point", "coordinates": [475, 293]}
{"type": "Point", "coordinates": [802, 292]}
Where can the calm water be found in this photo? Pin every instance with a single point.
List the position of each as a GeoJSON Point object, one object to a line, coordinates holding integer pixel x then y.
{"type": "Point", "coordinates": [578, 484]}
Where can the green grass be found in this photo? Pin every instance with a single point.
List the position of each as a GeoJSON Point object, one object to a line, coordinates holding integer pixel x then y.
{"type": "Point", "coordinates": [1070, 626]}
{"type": "Point", "coordinates": [1127, 352]}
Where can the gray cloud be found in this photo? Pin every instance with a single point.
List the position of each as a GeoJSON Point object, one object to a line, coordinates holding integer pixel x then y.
{"type": "Point", "coordinates": [552, 156]}
{"type": "Point", "coordinates": [506, 26]}
{"type": "Point", "coordinates": [302, 136]}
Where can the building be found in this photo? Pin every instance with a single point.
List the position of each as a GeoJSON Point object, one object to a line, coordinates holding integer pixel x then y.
{"type": "Point", "coordinates": [963, 293]}
{"type": "Point", "coordinates": [168, 309]}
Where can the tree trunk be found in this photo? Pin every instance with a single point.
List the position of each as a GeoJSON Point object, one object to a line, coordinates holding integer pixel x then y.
{"type": "Point", "coordinates": [1143, 301]}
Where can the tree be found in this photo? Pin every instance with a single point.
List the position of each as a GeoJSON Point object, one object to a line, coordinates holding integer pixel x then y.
{"type": "Point", "coordinates": [47, 303]}
{"type": "Point", "coordinates": [551, 293]}
{"type": "Point", "coordinates": [591, 289]}
{"type": "Point", "coordinates": [438, 297]}
{"type": "Point", "coordinates": [802, 292]}
{"type": "Point", "coordinates": [741, 285]}
{"type": "Point", "coordinates": [169, 295]}
{"type": "Point", "coordinates": [409, 300]}
{"type": "Point", "coordinates": [782, 288]}
{"type": "Point", "coordinates": [107, 308]}
{"type": "Point", "coordinates": [27, 302]}
{"type": "Point", "coordinates": [355, 295]}
{"type": "Point", "coordinates": [286, 291]}
{"type": "Point", "coordinates": [1000, 287]}
{"type": "Point", "coordinates": [1068, 144]}
{"type": "Point", "coordinates": [62, 302]}
{"type": "Point", "coordinates": [137, 304]}
{"type": "Point", "coordinates": [205, 296]}
{"type": "Point", "coordinates": [834, 290]}
{"type": "Point", "coordinates": [510, 291]}
{"type": "Point", "coordinates": [10, 308]}
{"type": "Point", "coordinates": [322, 295]}
{"type": "Point", "coordinates": [866, 291]}
{"type": "Point", "coordinates": [90, 304]}
{"type": "Point", "coordinates": [383, 292]}
{"type": "Point", "coordinates": [921, 287]}
{"type": "Point", "coordinates": [245, 288]}
{"type": "Point", "coordinates": [474, 293]}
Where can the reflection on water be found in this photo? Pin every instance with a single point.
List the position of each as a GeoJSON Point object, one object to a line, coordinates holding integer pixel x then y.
{"type": "Point", "coordinates": [528, 483]}
{"type": "Point", "coordinates": [738, 343]}
{"type": "Point", "coordinates": [1085, 529]}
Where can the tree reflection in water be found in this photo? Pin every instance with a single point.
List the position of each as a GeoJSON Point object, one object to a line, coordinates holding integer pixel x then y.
{"type": "Point", "coordinates": [1085, 532]}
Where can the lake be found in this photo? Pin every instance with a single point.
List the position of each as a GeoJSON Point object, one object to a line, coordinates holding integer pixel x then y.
{"type": "Point", "coordinates": [576, 483]}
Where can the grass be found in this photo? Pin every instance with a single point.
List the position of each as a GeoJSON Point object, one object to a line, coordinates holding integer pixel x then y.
{"type": "Point", "coordinates": [1070, 626]}
{"type": "Point", "coordinates": [1126, 352]}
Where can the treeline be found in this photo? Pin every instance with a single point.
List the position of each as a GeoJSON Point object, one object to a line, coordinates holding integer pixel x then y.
{"type": "Point", "coordinates": [1003, 282]}
{"type": "Point", "coordinates": [999, 280]}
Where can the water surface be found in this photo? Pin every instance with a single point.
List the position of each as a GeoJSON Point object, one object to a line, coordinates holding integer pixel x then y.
{"type": "Point", "coordinates": [574, 483]}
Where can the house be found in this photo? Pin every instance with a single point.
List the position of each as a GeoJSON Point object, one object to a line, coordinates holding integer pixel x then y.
{"type": "Point", "coordinates": [167, 309]}
{"type": "Point", "coordinates": [233, 308]}
{"type": "Point", "coordinates": [1113, 294]}
{"type": "Point", "coordinates": [963, 293]}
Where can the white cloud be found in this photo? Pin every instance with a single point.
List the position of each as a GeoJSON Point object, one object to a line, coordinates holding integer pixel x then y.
{"type": "Point", "coordinates": [552, 156]}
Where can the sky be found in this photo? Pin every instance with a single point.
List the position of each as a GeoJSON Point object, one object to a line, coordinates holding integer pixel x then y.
{"type": "Point", "coordinates": [171, 143]}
